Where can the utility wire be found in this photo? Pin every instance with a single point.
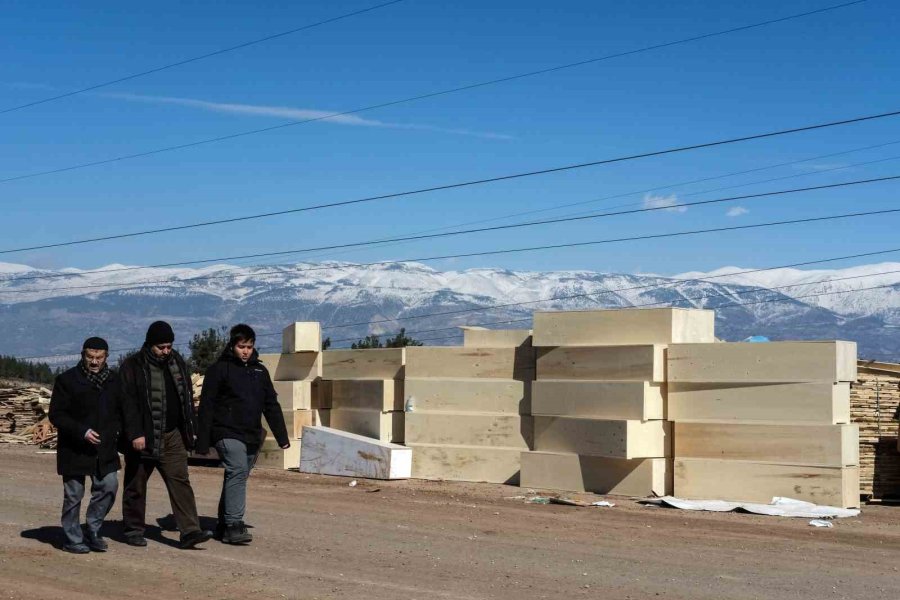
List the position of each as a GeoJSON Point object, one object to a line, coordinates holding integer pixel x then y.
{"type": "Point", "coordinates": [196, 58]}
{"type": "Point", "coordinates": [392, 241]}
{"type": "Point", "coordinates": [139, 285]}
{"type": "Point", "coordinates": [527, 224]}
{"type": "Point", "coordinates": [427, 95]}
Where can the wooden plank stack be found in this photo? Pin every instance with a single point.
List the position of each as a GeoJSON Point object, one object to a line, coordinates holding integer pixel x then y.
{"type": "Point", "coordinates": [755, 421]}
{"type": "Point", "coordinates": [364, 391]}
{"type": "Point", "coordinates": [468, 408]}
{"type": "Point", "coordinates": [875, 407]}
{"type": "Point", "coordinates": [296, 374]}
{"type": "Point", "coordinates": [599, 402]}
{"type": "Point", "coordinates": [23, 415]}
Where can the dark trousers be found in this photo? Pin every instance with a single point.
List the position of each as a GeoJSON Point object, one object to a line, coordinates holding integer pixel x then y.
{"type": "Point", "coordinates": [173, 468]}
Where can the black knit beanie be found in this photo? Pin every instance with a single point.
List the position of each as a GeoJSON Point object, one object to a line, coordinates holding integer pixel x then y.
{"type": "Point", "coordinates": [95, 343]}
{"type": "Point", "coordinates": [159, 332]}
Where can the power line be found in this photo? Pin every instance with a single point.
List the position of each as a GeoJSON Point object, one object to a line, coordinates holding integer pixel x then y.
{"type": "Point", "coordinates": [450, 186]}
{"type": "Point", "coordinates": [196, 58]}
{"type": "Point", "coordinates": [127, 287]}
{"type": "Point", "coordinates": [426, 96]}
{"type": "Point", "coordinates": [387, 241]}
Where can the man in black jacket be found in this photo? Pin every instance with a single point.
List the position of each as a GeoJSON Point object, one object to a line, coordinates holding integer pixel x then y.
{"type": "Point", "coordinates": [84, 409]}
{"type": "Point", "coordinates": [158, 412]}
{"type": "Point", "coordinates": [237, 392]}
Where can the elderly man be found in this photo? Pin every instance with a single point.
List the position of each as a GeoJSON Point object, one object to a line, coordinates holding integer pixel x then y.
{"type": "Point", "coordinates": [159, 428]}
{"type": "Point", "coordinates": [84, 409]}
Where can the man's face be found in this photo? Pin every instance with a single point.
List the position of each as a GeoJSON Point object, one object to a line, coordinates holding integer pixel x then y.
{"type": "Point", "coordinates": [161, 350]}
{"type": "Point", "coordinates": [244, 350]}
{"type": "Point", "coordinates": [94, 360]}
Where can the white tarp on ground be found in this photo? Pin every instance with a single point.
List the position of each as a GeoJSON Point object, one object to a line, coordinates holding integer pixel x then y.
{"type": "Point", "coordinates": [779, 507]}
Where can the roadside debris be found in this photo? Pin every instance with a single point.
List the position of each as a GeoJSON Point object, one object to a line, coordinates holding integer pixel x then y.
{"type": "Point", "coordinates": [779, 507]}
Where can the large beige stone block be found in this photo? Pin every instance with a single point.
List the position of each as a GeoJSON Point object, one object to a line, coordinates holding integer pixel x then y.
{"type": "Point", "coordinates": [772, 362]}
{"type": "Point", "coordinates": [630, 326]}
{"type": "Point", "coordinates": [446, 362]}
{"type": "Point", "coordinates": [603, 363]}
{"type": "Point", "coordinates": [610, 400]}
{"type": "Point", "coordinates": [466, 463]}
{"type": "Point", "coordinates": [375, 363]}
{"type": "Point", "coordinates": [505, 396]}
{"type": "Point", "coordinates": [302, 337]}
{"type": "Point", "coordinates": [469, 429]}
{"type": "Point", "coordinates": [571, 472]}
{"type": "Point", "coordinates": [611, 439]}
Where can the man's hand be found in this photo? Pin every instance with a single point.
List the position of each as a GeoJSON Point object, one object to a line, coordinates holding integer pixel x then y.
{"type": "Point", "coordinates": [92, 436]}
{"type": "Point", "coordinates": [139, 443]}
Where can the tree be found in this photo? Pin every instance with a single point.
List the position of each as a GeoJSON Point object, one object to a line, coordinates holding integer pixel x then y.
{"type": "Point", "coordinates": [123, 357]}
{"type": "Point", "coordinates": [326, 343]}
{"type": "Point", "coordinates": [401, 340]}
{"type": "Point", "coordinates": [206, 347]}
{"type": "Point", "coordinates": [15, 368]}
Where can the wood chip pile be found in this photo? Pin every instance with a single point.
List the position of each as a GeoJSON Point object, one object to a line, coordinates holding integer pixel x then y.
{"type": "Point", "coordinates": [23, 415]}
{"type": "Point", "coordinates": [875, 406]}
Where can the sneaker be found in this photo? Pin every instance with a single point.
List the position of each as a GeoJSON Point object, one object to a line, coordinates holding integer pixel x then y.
{"type": "Point", "coordinates": [76, 548]}
{"type": "Point", "coordinates": [219, 533]}
{"type": "Point", "coordinates": [237, 534]}
{"type": "Point", "coordinates": [97, 543]}
{"type": "Point", "coordinates": [136, 540]}
{"type": "Point", "coordinates": [195, 537]}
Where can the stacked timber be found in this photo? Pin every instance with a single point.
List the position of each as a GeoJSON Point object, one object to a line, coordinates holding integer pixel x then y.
{"type": "Point", "coordinates": [364, 391]}
{"type": "Point", "coordinates": [875, 407]}
{"type": "Point", "coordinates": [599, 402]}
{"type": "Point", "coordinates": [296, 375]}
{"type": "Point", "coordinates": [755, 421]}
{"type": "Point", "coordinates": [23, 415]}
{"type": "Point", "coordinates": [468, 408]}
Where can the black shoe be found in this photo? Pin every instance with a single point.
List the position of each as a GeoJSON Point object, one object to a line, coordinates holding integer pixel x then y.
{"type": "Point", "coordinates": [194, 538]}
{"type": "Point", "coordinates": [97, 543]}
{"type": "Point", "coordinates": [136, 540]}
{"type": "Point", "coordinates": [237, 534]}
{"type": "Point", "coordinates": [76, 548]}
{"type": "Point", "coordinates": [219, 533]}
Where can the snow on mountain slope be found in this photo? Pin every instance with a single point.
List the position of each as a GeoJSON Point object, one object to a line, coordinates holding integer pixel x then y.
{"type": "Point", "coordinates": [51, 314]}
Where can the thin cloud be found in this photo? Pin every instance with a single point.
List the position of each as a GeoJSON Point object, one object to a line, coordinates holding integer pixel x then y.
{"type": "Point", "coordinates": [669, 203]}
{"type": "Point", "coordinates": [736, 211]}
{"type": "Point", "coordinates": [295, 114]}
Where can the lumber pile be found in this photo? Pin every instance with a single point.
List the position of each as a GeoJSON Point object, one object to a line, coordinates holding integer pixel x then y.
{"type": "Point", "coordinates": [468, 408]}
{"type": "Point", "coordinates": [875, 407]}
{"type": "Point", "coordinates": [23, 415]}
{"type": "Point", "coordinates": [364, 391]}
{"type": "Point", "coordinates": [296, 375]}
{"type": "Point", "coordinates": [599, 402]}
{"type": "Point", "coordinates": [754, 421]}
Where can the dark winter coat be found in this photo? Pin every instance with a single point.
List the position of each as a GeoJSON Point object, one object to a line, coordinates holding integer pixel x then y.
{"type": "Point", "coordinates": [76, 406]}
{"type": "Point", "coordinates": [234, 399]}
{"type": "Point", "coordinates": [142, 414]}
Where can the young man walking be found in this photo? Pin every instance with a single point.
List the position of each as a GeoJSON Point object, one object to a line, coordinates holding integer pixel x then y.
{"type": "Point", "coordinates": [237, 392]}
{"type": "Point", "coordinates": [159, 429]}
{"type": "Point", "coordinates": [84, 409]}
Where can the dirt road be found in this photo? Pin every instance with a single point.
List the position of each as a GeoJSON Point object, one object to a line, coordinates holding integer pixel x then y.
{"type": "Point", "coordinates": [315, 537]}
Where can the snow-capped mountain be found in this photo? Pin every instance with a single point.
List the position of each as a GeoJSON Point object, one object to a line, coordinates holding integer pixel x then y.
{"type": "Point", "coordinates": [49, 312]}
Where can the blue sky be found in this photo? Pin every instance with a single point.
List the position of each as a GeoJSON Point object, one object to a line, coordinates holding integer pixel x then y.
{"type": "Point", "coordinates": [825, 67]}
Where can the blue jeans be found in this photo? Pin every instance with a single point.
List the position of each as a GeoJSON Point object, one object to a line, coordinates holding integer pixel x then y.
{"type": "Point", "coordinates": [238, 460]}
{"type": "Point", "coordinates": [103, 495]}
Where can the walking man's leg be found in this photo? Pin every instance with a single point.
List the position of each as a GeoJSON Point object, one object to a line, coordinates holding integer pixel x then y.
{"type": "Point", "coordinates": [134, 498]}
{"type": "Point", "coordinates": [174, 470]}
{"type": "Point", "coordinates": [234, 490]}
{"type": "Point", "coordinates": [103, 495]}
{"type": "Point", "coordinates": [73, 492]}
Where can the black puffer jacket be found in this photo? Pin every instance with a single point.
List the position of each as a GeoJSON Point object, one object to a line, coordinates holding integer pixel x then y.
{"type": "Point", "coordinates": [76, 406]}
{"type": "Point", "coordinates": [235, 397]}
{"type": "Point", "coordinates": [141, 418]}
